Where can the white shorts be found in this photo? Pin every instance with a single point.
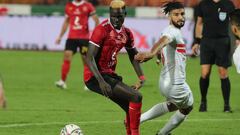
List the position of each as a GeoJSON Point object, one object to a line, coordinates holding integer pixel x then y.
{"type": "Point", "coordinates": [178, 94]}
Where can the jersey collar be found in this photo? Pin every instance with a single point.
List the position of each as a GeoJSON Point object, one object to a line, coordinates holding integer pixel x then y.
{"type": "Point", "coordinates": [78, 3]}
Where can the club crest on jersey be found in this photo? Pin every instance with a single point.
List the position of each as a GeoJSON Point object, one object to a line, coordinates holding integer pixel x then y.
{"type": "Point", "coordinates": [222, 16]}
{"type": "Point", "coordinates": [121, 38]}
{"type": "Point", "coordinates": [77, 11]}
{"type": "Point", "coordinates": [85, 9]}
{"type": "Point", "coordinates": [118, 38]}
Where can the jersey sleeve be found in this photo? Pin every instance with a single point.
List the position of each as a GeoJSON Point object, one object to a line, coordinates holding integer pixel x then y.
{"type": "Point", "coordinates": [130, 41]}
{"type": "Point", "coordinates": [98, 36]}
{"type": "Point", "coordinates": [67, 12]}
{"type": "Point", "coordinates": [199, 10]}
{"type": "Point", "coordinates": [170, 33]}
{"type": "Point", "coordinates": [91, 9]}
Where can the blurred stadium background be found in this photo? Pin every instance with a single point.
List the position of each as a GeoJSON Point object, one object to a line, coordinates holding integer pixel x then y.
{"type": "Point", "coordinates": [44, 18]}
{"type": "Point", "coordinates": [37, 107]}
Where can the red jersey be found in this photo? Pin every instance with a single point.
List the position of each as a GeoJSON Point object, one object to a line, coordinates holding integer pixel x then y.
{"type": "Point", "coordinates": [110, 41]}
{"type": "Point", "coordinates": [78, 14]}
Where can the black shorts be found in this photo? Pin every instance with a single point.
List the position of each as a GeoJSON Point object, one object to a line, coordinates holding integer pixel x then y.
{"type": "Point", "coordinates": [111, 79]}
{"type": "Point", "coordinates": [74, 44]}
{"type": "Point", "coordinates": [216, 51]}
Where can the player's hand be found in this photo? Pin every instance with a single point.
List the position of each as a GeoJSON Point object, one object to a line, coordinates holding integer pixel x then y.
{"type": "Point", "coordinates": [158, 62]}
{"type": "Point", "coordinates": [58, 41]}
{"type": "Point", "coordinates": [237, 42]}
{"type": "Point", "coordinates": [143, 56]}
{"type": "Point", "coordinates": [106, 89]}
{"type": "Point", "coordinates": [195, 49]}
{"type": "Point", "coordinates": [138, 85]}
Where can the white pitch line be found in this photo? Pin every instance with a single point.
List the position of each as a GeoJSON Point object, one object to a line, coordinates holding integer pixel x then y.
{"type": "Point", "coordinates": [104, 122]}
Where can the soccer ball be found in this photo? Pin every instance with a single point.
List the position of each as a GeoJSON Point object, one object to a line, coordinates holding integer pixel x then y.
{"type": "Point", "coordinates": [71, 129]}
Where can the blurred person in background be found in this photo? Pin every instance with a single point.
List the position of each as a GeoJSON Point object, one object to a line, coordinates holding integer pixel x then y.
{"type": "Point", "coordinates": [94, 2]}
{"type": "Point", "coordinates": [107, 40]}
{"type": "Point", "coordinates": [3, 103]}
{"type": "Point", "coordinates": [235, 26]}
{"type": "Point", "coordinates": [212, 32]}
{"type": "Point", "coordinates": [77, 14]}
{"type": "Point", "coordinates": [172, 82]}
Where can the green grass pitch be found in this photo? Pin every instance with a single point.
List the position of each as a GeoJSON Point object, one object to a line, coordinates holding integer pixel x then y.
{"type": "Point", "coordinates": [37, 107]}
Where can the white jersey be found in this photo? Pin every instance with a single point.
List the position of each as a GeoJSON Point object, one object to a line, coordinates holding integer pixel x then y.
{"type": "Point", "coordinates": [174, 56]}
{"type": "Point", "coordinates": [236, 58]}
{"type": "Point", "coordinates": [172, 81]}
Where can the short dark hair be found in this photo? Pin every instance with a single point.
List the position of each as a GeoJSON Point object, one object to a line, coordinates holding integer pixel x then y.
{"type": "Point", "coordinates": [235, 17]}
{"type": "Point", "coordinates": [167, 8]}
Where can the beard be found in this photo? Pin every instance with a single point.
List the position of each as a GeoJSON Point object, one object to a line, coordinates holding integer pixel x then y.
{"type": "Point", "coordinates": [178, 25]}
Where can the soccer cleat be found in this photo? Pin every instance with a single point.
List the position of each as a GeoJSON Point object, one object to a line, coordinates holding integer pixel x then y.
{"type": "Point", "coordinates": [61, 84]}
{"type": "Point", "coordinates": [227, 109]}
{"type": "Point", "coordinates": [203, 107]}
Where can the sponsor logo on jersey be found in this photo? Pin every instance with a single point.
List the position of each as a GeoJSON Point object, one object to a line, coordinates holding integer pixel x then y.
{"type": "Point", "coordinates": [222, 16]}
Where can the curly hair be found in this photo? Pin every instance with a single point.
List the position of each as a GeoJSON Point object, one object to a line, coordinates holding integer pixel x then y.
{"type": "Point", "coordinates": [168, 7]}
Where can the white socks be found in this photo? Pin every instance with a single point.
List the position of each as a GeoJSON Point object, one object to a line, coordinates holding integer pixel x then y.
{"type": "Point", "coordinates": [156, 111]}
{"type": "Point", "coordinates": [174, 121]}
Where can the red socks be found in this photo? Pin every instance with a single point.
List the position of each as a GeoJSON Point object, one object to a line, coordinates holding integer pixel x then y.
{"type": "Point", "coordinates": [65, 69]}
{"type": "Point", "coordinates": [134, 114]}
{"type": "Point", "coordinates": [127, 124]}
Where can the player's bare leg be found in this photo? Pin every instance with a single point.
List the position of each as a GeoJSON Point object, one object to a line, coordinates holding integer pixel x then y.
{"type": "Point", "coordinates": [2, 98]}
{"type": "Point", "coordinates": [175, 121]}
{"type": "Point", "coordinates": [204, 84]}
{"type": "Point", "coordinates": [65, 69]}
{"type": "Point", "coordinates": [133, 110]}
{"type": "Point", "coordinates": [83, 57]}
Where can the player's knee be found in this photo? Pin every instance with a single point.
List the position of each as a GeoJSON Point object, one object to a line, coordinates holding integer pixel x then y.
{"type": "Point", "coordinates": [171, 107]}
{"type": "Point", "coordinates": [68, 57]}
{"type": "Point", "coordinates": [186, 111]}
{"type": "Point", "coordinates": [137, 97]}
{"type": "Point", "coordinates": [205, 75]}
{"type": "Point", "coordinates": [223, 74]}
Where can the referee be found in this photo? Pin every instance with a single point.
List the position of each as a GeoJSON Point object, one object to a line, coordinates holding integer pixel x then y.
{"type": "Point", "coordinates": [212, 32]}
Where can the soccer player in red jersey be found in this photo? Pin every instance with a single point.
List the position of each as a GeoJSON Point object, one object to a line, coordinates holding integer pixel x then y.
{"type": "Point", "coordinates": [107, 40]}
{"type": "Point", "coordinates": [77, 15]}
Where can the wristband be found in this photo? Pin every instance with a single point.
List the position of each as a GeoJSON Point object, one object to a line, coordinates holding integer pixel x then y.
{"type": "Point", "coordinates": [142, 77]}
{"type": "Point", "coordinates": [197, 40]}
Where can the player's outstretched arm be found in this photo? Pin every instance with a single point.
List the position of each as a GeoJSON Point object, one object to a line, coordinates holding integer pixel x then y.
{"type": "Point", "coordinates": [90, 59]}
{"type": "Point", "coordinates": [137, 67]}
{"type": "Point", "coordinates": [144, 56]}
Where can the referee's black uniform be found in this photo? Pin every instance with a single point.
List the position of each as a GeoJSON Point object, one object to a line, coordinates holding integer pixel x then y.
{"type": "Point", "coordinates": [215, 43]}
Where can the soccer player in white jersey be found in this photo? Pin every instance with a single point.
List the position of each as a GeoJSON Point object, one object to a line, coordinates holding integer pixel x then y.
{"type": "Point", "coordinates": [235, 21]}
{"type": "Point", "coordinates": [172, 81]}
